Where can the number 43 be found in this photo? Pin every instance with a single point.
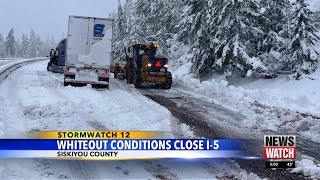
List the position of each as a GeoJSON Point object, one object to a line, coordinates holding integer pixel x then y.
{"type": "Point", "coordinates": [290, 164]}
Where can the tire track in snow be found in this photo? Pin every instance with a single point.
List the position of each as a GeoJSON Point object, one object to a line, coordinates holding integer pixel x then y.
{"type": "Point", "coordinates": [82, 114]}
{"type": "Point", "coordinates": [159, 171]}
{"type": "Point", "coordinates": [78, 169]}
{"type": "Point", "coordinates": [156, 170]}
{"type": "Point", "coordinates": [203, 128]}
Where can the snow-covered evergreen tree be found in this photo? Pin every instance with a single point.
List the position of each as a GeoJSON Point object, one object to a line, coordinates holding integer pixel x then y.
{"type": "Point", "coordinates": [191, 22]}
{"type": "Point", "coordinates": [239, 36]}
{"type": "Point", "coordinates": [40, 49]}
{"type": "Point", "coordinates": [129, 9]}
{"type": "Point", "coordinates": [18, 48]}
{"type": "Point", "coordinates": [140, 29]}
{"type": "Point", "coordinates": [10, 44]}
{"type": "Point", "coordinates": [32, 51]}
{"type": "Point", "coordinates": [47, 47]}
{"type": "Point", "coordinates": [194, 31]}
{"type": "Point", "coordinates": [146, 21]}
{"type": "Point", "coordinates": [276, 25]}
{"type": "Point", "coordinates": [120, 32]}
{"type": "Point", "coordinates": [304, 56]}
{"type": "Point", "coordinates": [169, 15]}
{"type": "Point", "coordinates": [2, 47]}
{"type": "Point", "coordinates": [316, 17]}
{"type": "Point", "coordinates": [24, 46]}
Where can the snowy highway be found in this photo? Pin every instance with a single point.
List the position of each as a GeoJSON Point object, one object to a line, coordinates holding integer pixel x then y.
{"type": "Point", "coordinates": [34, 99]}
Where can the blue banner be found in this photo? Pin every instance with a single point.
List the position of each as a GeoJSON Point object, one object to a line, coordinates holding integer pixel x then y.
{"type": "Point", "coordinates": [123, 144]}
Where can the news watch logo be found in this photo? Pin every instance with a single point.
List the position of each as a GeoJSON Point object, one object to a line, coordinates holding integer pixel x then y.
{"type": "Point", "coordinates": [280, 151]}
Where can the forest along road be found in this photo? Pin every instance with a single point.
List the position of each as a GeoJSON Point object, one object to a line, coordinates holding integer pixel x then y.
{"type": "Point", "coordinates": [34, 99]}
{"type": "Point", "coordinates": [209, 120]}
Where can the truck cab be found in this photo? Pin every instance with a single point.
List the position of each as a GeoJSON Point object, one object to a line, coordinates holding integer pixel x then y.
{"type": "Point", "coordinates": [58, 58]}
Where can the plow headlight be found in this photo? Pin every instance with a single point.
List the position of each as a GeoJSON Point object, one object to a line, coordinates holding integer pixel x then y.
{"type": "Point", "coordinates": [166, 66]}
{"type": "Point", "coordinates": [149, 65]}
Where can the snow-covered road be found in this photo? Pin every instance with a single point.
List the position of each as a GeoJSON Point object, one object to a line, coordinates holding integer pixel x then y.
{"type": "Point", "coordinates": [210, 120]}
{"type": "Point", "coordinates": [33, 99]}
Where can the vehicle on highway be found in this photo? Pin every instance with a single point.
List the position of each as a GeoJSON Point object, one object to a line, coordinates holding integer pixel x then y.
{"type": "Point", "coordinates": [118, 69]}
{"type": "Point", "coordinates": [58, 58]}
{"type": "Point", "coordinates": [88, 51]}
{"type": "Point", "coordinates": [144, 66]}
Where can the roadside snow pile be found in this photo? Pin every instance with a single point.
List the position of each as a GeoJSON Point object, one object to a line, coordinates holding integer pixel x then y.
{"type": "Point", "coordinates": [314, 5]}
{"type": "Point", "coordinates": [39, 101]}
{"type": "Point", "coordinates": [303, 95]}
{"type": "Point", "coordinates": [265, 102]}
{"type": "Point", "coordinates": [99, 54]}
{"type": "Point", "coordinates": [6, 69]}
{"type": "Point", "coordinates": [308, 168]}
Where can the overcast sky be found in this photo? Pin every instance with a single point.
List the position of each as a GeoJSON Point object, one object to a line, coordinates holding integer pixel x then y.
{"type": "Point", "coordinates": [48, 17]}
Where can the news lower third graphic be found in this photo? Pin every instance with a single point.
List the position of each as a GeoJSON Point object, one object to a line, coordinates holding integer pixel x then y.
{"type": "Point", "coordinates": [280, 151]}
{"type": "Point", "coordinates": [119, 145]}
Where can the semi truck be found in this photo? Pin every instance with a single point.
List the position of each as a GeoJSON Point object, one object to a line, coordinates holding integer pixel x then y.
{"type": "Point", "coordinates": [88, 55]}
{"type": "Point", "coordinates": [58, 58]}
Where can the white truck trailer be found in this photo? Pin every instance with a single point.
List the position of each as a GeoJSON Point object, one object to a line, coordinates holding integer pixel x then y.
{"type": "Point", "coordinates": [88, 53]}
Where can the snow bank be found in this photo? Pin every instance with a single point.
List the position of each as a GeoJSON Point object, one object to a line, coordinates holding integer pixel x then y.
{"type": "Point", "coordinates": [314, 5]}
{"type": "Point", "coordinates": [99, 54]}
{"type": "Point", "coordinates": [308, 168]}
{"type": "Point", "coordinates": [265, 102]}
{"type": "Point", "coordinates": [6, 69]}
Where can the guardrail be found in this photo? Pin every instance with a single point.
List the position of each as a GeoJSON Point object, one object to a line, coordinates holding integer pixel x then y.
{"type": "Point", "coordinates": [6, 69]}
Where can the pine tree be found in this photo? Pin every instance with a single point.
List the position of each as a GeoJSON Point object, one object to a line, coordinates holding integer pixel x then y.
{"type": "Point", "coordinates": [316, 17]}
{"type": "Point", "coordinates": [131, 27]}
{"type": "Point", "coordinates": [192, 19]}
{"type": "Point", "coordinates": [129, 9]}
{"type": "Point", "coordinates": [304, 56]}
{"type": "Point", "coordinates": [140, 30]}
{"type": "Point", "coordinates": [32, 51]}
{"type": "Point", "coordinates": [39, 47]}
{"type": "Point", "coordinates": [276, 25]}
{"type": "Point", "coordinates": [47, 46]}
{"type": "Point", "coordinates": [239, 36]}
{"type": "Point", "coordinates": [18, 49]}
{"type": "Point", "coordinates": [119, 34]}
{"type": "Point", "coordinates": [24, 46]}
{"type": "Point", "coordinates": [10, 44]}
{"type": "Point", "coordinates": [194, 31]}
{"type": "Point", "coordinates": [2, 47]}
{"type": "Point", "coordinates": [167, 16]}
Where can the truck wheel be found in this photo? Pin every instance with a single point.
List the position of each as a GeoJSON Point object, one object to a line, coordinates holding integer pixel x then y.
{"type": "Point", "coordinates": [168, 83]}
{"type": "Point", "coordinates": [48, 68]}
{"type": "Point", "coordinates": [65, 84]}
